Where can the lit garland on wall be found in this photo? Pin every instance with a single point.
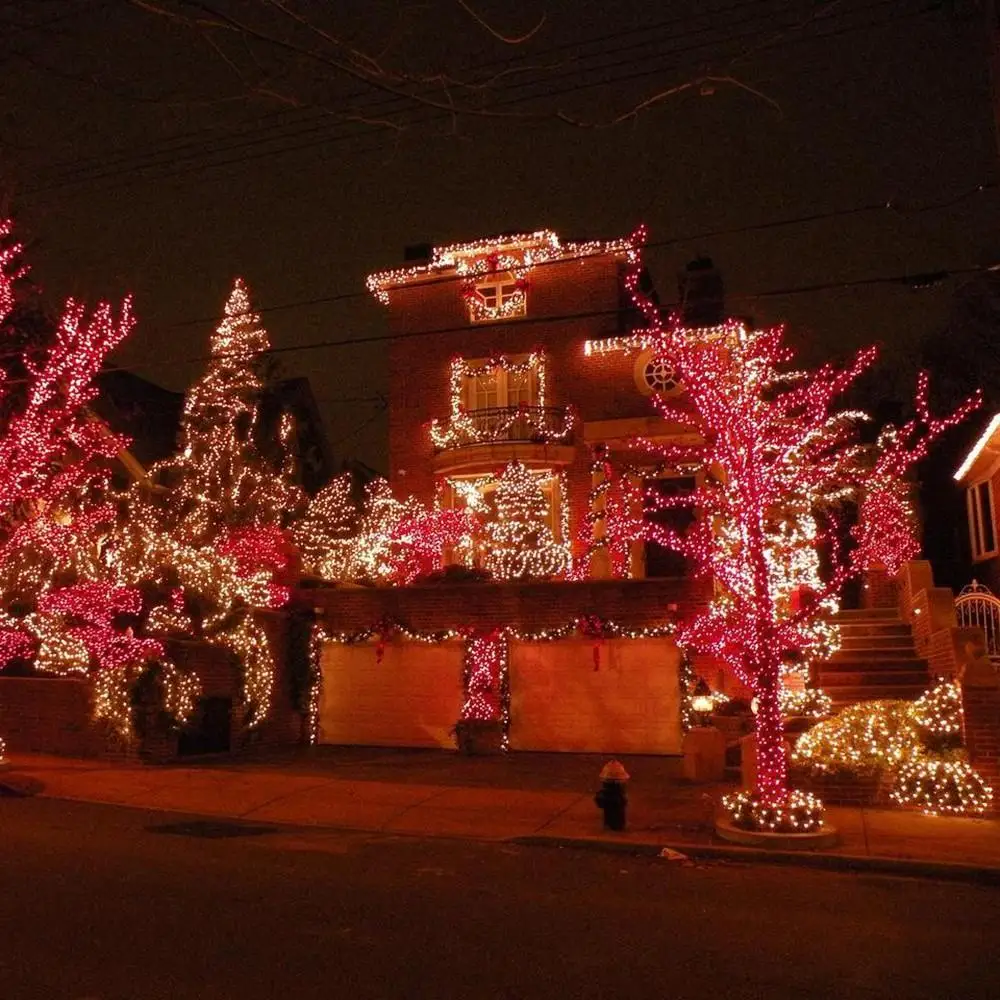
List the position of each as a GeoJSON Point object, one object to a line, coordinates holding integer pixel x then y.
{"type": "Point", "coordinates": [462, 427]}
{"type": "Point", "coordinates": [518, 253]}
{"type": "Point", "coordinates": [485, 679]}
{"type": "Point", "coordinates": [379, 632]}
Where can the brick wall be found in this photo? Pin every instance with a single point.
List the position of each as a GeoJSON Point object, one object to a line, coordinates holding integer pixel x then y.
{"type": "Point", "coordinates": [526, 606]}
{"type": "Point", "coordinates": [598, 387]}
{"type": "Point", "coordinates": [49, 715]}
{"type": "Point", "coordinates": [982, 731]}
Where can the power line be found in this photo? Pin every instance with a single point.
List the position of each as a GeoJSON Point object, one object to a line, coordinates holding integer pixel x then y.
{"type": "Point", "coordinates": [886, 205]}
{"type": "Point", "coordinates": [908, 281]}
{"type": "Point", "coordinates": [485, 71]}
{"type": "Point", "coordinates": [172, 165]}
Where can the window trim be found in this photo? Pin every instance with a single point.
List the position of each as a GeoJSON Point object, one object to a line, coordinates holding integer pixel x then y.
{"type": "Point", "coordinates": [974, 513]}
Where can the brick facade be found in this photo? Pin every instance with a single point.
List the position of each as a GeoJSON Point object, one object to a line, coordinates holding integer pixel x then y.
{"type": "Point", "coordinates": [982, 731]}
{"type": "Point", "coordinates": [49, 715]}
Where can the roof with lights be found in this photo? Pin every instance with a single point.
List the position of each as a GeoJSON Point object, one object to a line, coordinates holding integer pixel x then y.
{"type": "Point", "coordinates": [983, 456]}
{"type": "Point", "coordinates": [520, 251]}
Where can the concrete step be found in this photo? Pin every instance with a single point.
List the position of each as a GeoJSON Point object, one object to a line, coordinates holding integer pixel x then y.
{"type": "Point", "coordinates": [831, 682]}
{"type": "Point", "coordinates": [872, 692]}
{"type": "Point", "coordinates": [875, 661]}
{"type": "Point", "coordinates": [873, 628]}
{"type": "Point", "coordinates": [867, 614]}
{"type": "Point", "coordinates": [849, 640]}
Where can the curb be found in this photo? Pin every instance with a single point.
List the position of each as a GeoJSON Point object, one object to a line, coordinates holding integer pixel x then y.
{"type": "Point", "coordinates": [857, 863]}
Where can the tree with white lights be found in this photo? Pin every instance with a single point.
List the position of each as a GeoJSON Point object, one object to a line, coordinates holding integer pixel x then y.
{"type": "Point", "coordinates": [520, 542]}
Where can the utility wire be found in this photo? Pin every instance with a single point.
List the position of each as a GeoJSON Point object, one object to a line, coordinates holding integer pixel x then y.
{"type": "Point", "coordinates": [648, 31]}
{"type": "Point", "coordinates": [172, 165]}
{"type": "Point", "coordinates": [912, 281]}
{"type": "Point", "coordinates": [887, 205]}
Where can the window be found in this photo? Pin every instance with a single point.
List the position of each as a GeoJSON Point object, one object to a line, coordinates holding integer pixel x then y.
{"type": "Point", "coordinates": [661, 561]}
{"type": "Point", "coordinates": [497, 300]}
{"type": "Point", "coordinates": [982, 527]}
{"type": "Point", "coordinates": [512, 384]}
{"type": "Point", "coordinates": [656, 375]}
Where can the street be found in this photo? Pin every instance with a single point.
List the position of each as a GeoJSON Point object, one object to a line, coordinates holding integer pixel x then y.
{"type": "Point", "coordinates": [114, 903]}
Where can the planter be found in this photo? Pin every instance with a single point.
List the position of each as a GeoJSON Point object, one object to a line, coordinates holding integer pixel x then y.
{"type": "Point", "coordinates": [825, 836]}
{"type": "Point", "coordinates": [732, 727]}
{"type": "Point", "coordinates": [479, 737]}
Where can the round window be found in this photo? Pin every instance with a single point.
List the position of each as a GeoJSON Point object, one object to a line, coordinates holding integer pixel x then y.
{"type": "Point", "coordinates": [656, 375]}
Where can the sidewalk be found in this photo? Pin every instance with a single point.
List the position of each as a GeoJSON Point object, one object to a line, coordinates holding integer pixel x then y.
{"type": "Point", "coordinates": [533, 798]}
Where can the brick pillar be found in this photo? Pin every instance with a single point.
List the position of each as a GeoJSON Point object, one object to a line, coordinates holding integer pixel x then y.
{"type": "Point", "coordinates": [981, 705]}
{"type": "Point", "coordinates": [878, 589]}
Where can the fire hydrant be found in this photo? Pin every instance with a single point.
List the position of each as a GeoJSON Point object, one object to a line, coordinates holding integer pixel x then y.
{"type": "Point", "coordinates": [613, 795]}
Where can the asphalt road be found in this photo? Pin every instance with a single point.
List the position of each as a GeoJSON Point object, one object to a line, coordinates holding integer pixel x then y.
{"type": "Point", "coordinates": [108, 903]}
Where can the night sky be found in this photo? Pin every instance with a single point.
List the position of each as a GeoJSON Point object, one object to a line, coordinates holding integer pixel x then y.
{"type": "Point", "coordinates": [134, 159]}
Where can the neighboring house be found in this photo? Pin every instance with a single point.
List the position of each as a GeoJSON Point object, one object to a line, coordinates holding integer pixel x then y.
{"type": "Point", "coordinates": [150, 417]}
{"type": "Point", "coordinates": [979, 475]}
{"type": "Point", "coordinates": [522, 348]}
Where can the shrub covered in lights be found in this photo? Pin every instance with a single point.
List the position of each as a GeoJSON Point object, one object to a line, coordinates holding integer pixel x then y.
{"type": "Point", "coordinates": [941, 787]}
{"type": "Point", "coordinates": [863, 739]}
{"type": "Point", "coordinates": [916, 742]}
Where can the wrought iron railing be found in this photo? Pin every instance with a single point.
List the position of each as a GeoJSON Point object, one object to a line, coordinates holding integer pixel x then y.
{"type": "Point", "coordinates": [529, 424]}
{"type": "Point", "coordinates": [977, 605]}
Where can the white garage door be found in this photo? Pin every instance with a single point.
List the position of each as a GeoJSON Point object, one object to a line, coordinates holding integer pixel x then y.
{"type": "Point", "coordinates": [411, 699]}
{"type": "Point", "coordinates": [630, 704]}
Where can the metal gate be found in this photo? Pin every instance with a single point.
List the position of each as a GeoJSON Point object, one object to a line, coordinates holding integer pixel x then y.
{"type": "Point", "coordinates": [977, 605]}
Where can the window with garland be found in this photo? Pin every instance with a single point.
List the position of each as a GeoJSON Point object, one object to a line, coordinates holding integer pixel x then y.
{"type": "Point", "coordinates": [504, 297]}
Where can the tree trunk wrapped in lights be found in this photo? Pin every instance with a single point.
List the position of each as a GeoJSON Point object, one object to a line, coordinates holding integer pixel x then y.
{"type": "Point", "coordinates": [771, 441]}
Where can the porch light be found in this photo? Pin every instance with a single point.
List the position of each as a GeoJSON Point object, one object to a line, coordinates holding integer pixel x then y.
{"type": "Point", "coordinates": [702, 702]}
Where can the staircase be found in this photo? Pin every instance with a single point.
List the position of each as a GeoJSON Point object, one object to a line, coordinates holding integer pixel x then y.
{"type": "Point", "coordinates": [877, 659]}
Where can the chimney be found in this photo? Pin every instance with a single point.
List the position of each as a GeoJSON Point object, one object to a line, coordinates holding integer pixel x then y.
{"type": "Point", "coordinates": [701, 294]}
{"type": "Point", "coordinates": [417, 253]}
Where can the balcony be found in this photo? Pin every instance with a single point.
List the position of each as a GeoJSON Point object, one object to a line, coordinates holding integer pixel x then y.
{"type": "Point", "coordinates": [504, 433]}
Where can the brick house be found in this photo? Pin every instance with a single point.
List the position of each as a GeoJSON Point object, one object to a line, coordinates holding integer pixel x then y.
{"type": "Point", "coordinates": [521, 349]}
{"type": "Point", "coordinates": [979, 476]}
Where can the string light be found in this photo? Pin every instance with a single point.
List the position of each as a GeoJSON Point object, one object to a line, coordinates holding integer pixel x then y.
{"type": "Point", "coordinates": [771, 443]}
{"type": "Point", "coordinates": [888, 527]}
{"type": "Point", "coordinates": [486, 666]}
{"type": "Point", "coordinates": [799, 812]}
{"type": "Point", "coordinates": [916, 742]}
{"type": "Point", "coordinates": [520, 544]}
{"type": "Point", "coordinates": [463, 428]}
{"type": "Point", "coordinates": [485, 678]}
{"type": "Point", "coordinates": [941, 787]}
{"type": "Point", "coordinates": [518, 253]}
{"type": "Point", "coordinates": [215, 529]}
{"type": "Point", "coordinates": [324, 533]}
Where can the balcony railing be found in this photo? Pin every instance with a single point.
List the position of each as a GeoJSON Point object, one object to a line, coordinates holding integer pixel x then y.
{"type": "Point", "coordinates": [528, 424]}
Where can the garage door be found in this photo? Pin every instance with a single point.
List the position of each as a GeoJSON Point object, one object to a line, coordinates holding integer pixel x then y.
{"type": "Point", "coordinates": [630, 704]}
{"type": "Point", "coordinates": [411, 699]}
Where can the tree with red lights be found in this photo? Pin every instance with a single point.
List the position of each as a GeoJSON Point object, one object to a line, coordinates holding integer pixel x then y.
{"type": "Point", "coordinates": [59, 610]}
{"type": "Point", "coordinates": [771, 440]}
